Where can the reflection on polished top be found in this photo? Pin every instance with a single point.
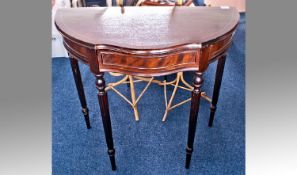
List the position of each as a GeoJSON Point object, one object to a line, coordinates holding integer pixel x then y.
{"type": "Point", "coordinates": [146, 27]}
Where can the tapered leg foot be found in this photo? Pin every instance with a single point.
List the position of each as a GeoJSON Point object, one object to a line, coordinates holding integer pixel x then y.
{"type": "Point", "coordinates": [216, 89]}
{"type": "Point", "coordinates": [188, 157]}
{"type": "Point", "coordinates": [195, 101]}
{"type": "Point", "coordinates": [80, 90]}
{"type": "Point", "coordinates": [104, 108]}
{"type": "Point", "coordinates": [111, 154]}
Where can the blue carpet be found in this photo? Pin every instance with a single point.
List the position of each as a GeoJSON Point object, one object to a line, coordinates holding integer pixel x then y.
{"type": "Point", "coordinates": [150, 147]}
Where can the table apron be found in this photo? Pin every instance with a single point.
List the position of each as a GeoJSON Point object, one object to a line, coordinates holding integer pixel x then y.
{"type": "Point", "coordinates": [147, 64]}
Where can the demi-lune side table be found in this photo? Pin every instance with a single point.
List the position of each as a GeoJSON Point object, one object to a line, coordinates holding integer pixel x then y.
{"type": "Point", "coordinates": [147, 42]}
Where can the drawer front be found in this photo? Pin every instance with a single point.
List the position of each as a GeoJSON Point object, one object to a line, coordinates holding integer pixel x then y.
{"type": "Point", "coordinates": [118, 62]}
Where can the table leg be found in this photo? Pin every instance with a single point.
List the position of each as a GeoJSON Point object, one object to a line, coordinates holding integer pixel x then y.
{"type": "Point", "coordinates": [80, 89]}
{"type": "Point", "coordinates": [103, 103]}
{"type": "Point", "coordinates": [195, 101]}
{"type": "Point", "coordinates": [216, 90]}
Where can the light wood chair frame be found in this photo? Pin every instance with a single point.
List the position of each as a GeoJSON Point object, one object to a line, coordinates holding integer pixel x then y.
{"type": "Point", "coordinates": [128, 79]}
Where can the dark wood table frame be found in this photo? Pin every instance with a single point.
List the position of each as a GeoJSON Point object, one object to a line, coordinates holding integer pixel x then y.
{"type": "Point", "coordinates": [148, 62]}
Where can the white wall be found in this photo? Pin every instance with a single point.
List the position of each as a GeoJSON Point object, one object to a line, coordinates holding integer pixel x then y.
{"type": "Point", "coordinates": [239, 4]}
{"type": "Point", "coordinates": [58, 49]}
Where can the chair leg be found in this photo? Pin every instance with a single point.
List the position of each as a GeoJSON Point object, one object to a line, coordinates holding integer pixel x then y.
{"type": "Point", "coordinates": [80, 90]}
{"type": "Point", "coordinates": [128, 84]}
{"type": "Point", "coordinates": [195, 101]}
{"type": "Point", "coordinates": [216, 90]}
{"type": "Point", "coordinates": [104, 108]}
{"type": "Point", "coordinates": [133, 97]}
{"type": "Point", "coordinates": [168, 106]}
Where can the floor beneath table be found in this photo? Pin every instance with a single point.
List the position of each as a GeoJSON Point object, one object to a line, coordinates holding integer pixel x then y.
{"type": "Point", "coordinates": [150, 146]}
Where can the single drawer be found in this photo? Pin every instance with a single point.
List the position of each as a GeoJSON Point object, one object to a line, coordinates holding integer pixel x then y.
{"type": "Point", "coordinates": [125, 63]}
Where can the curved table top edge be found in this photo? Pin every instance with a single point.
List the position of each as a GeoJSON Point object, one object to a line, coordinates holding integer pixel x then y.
{"type": "Point", "coordinates": [144, 50]}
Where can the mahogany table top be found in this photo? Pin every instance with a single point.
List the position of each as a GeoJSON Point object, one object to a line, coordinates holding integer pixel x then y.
{"type": "Point", "coordinates": [146, 27]}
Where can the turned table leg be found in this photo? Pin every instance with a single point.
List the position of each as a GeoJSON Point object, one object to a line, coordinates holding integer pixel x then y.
{"type": "Point", "coordinates": [80, 90]}
{"type": "Point", "coordinates": [216, 90]}
{"type": "Point", "coordinates": [103, 103]}
{"type": "Point", "coordinates": [195, 101]}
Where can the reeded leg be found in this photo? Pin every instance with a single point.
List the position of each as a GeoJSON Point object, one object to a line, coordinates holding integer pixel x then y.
{"type": "Point", "coordinates": [80, 90]}
{"type": "Point", "coordinates": [195, 101]}
{"type": "Point", "coordinates": [216, 90]}
{"type": "Point", "coordinates": [103, 102]}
